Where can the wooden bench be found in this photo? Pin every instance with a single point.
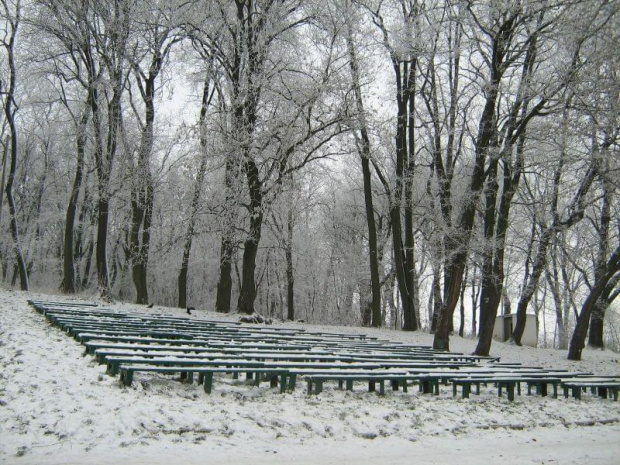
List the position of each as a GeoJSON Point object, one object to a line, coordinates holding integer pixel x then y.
{"type": "Point", "coordinates": [346, 378]}
{"type": "Point", "coordinates": [510, 383]}
{"type": "Point", "coordinates": [604, 387]}
{"type": "Point", "coordinates": [210, 346]}
{"type": "Point", "coordinates": [206, 374]}
{"type": "Point", "coordinates": [114, 362]}
{"type": "Point", "coordinates": [251, 354]}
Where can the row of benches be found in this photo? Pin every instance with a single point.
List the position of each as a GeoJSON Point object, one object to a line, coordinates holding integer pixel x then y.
{"type": "Point", "coordinates": [133, 342]}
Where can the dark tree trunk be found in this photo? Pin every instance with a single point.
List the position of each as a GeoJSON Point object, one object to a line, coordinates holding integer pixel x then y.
{"type": "Point", "coordinates": [578, 340]}
{"type": "Point", "coordinates": [611, 292]}
{"type": "Point", "coordinates": [462, 308]}
{"type": "Point", "coordinates": [437, 301]}
{"type": "Point", "coordinates": [191, 222]}
{"type": "Point", "coordinates": [595, 337]}
{"type": "Point", "coordinates": [598, 312]}
{"type": "Point", "coordinates": [290, 276]}
{"type": "Point", "coordinates": [540, 260]}
{"type": "Point", "coordinates": [375, 304]}
{"type": "Point", "coordinates": [89, 262]}
{"type": "Point", "coordinates": [496, 220]}
{"type": "Point", "coordinates": [142, 197]}
{"type": "Point", "coordinates": [9, 113]}
{"type": "Point", "coordinates": [68, 283]}
{"type": "Point", "coordinates": [457, 241]}
{"type": "Point", "coordinates": [142, 210]}
{"type": "Point", "coordinates": [139, 269]}
{"type": "Point", "coordinates": [101, 260]}
{"type": "Point", "coordinates": [224, 285]}
{"type": "Point", "coordinates": [247, 295]}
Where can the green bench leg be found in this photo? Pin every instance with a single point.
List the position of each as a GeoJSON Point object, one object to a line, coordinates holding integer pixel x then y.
{"type": "Point", "coordinates": [112, 369]}
{"type": "Point", "coordinates": [565, 392]}
{"type": "Point", "coordinates": [510, 388]}
{"type": "Point", "coordinates": [340, 384]}
{"type": "Point", "coordinates": [426, 387]}
{"type": "Point", "coordinates": [127, 377]}
{"type": "Point", "coordinates": [404, 385]}
{"type": "Point", "coordinates": [394, 384]}
{"type": "Point", "coordinates": [371, 386]}
{"type": "Point", "coordinates": [208, 382]}
{"type": "Point", "coordinates": [349, 384]}
{"type": "Point", "coordinates": [382, 387]}
{"type": "Point", "coordinates": [466, 390]}
{"type": "Point", "coordinates": [309, 391]}
{"type": "Point", "coordinates": [319, 386]}
{"type": "Point", "coordinates": [292, 381]}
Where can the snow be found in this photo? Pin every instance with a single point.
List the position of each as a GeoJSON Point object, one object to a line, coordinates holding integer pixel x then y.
{"type": "Point", "coordinates": [57, 406]}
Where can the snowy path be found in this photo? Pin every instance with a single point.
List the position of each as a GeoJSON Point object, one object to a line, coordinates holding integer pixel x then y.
{"type": "Point", "coordinates": [57, 406]}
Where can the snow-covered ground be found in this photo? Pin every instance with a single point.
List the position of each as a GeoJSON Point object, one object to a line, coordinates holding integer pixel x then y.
{"type": "Point", "coordinates": [58, 406]}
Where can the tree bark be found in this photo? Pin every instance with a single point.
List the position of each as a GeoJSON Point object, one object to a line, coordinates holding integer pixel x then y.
{"type": "Point", "coordinates": [68, 283]}
{"type": "Point", "coordinates": [578, 340]}
{"type": "Point", "coordinates": [200, 176]}
{"type": "Point", "coordinates": [9, 113]}
{"type": "Point", "coordinates": [364, 152]}
{"type": "Point", "coordinates": [290, 275]}
{"type": "Point", "coordinates": [245, 303]}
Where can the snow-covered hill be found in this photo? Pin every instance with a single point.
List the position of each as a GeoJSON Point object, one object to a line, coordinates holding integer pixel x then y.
{"type": "Point", "coordinates": [58, 406]}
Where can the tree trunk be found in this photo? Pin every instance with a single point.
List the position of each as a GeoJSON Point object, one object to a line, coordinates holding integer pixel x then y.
{"type": "Point", "coordinates": [578, 340]}
{"type": "Point", "coordinates": [364, 151]}
{"type": "Point", "coordinates": [457, 242]}
{"type": "Point", "coordinates": [462, 308]}
{"type": "Point", "coordinates": [247, 296]}
{"type": "Point", "coordinates": [290, 276]}
{"type": "Point", "coordinates": [248, 286]}
{"type": "Point", "coordinates": [191, 222]}
{"type": "Point", "coordinates": [595, 337]}
{"type": "Point", "coordinates": [68, 283]}
{"type": "Point", "coordinates": [103, 279]}
{"type": "Point", "coordinates": [224, 285]}
{"type": "Point", "coordinates": [598, 312]}
{"type": "Point", "coordinates": [9, 113]}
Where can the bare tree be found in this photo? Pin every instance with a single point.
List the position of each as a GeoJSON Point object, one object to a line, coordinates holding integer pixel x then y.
{"type": "Point", "coordinates": [11, 13]}
{"type": "Point", "coordinates": [363, 143]}
{"type": "Point", "coordinates": [157, 34]}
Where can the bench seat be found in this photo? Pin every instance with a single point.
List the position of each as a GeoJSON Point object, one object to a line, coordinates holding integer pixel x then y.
{"type": "Point", "coordinates": [507, 382]}
{"type": "Point", "coordinates": [206, 373]}
{"type": "Point", "coordinates": [315, 380]}
{"type": "Point", "coordinates": [604, 387]}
